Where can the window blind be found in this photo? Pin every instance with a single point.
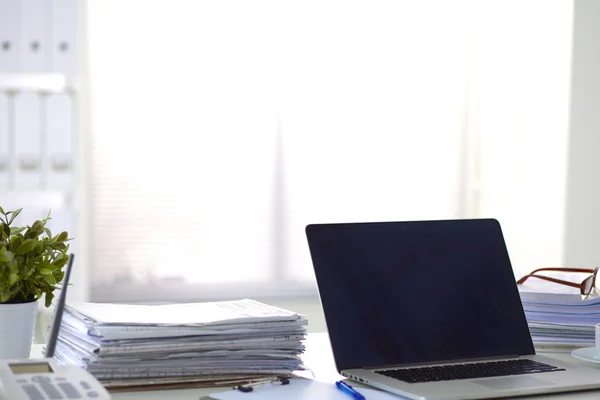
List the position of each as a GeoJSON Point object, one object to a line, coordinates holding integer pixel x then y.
{"type": "Point", "coordinates": [220, 129]}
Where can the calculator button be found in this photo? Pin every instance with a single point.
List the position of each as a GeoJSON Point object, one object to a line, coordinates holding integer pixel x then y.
{"type": "Point", "coordinates": [40, 378]}
{"type": "Point", "coordinates": [93, 394]}
{"type": "Point", "coordinates": [33, 392]}
{"type": "Point", "coordinates": [51, 391]}
{"type": "Point", "coordinates": [60, 379]}
{"type": "Point", "coordinates": [69, 390]}
{"type": "Point", "coordinates": [22, 381]}
{"type": "Point", "coordinates": [85, 385]}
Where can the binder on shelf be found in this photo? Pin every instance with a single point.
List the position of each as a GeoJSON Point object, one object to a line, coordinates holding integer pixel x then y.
{"type": "Point", "coordinates": [27, 141]}
{"type": "Point", "coordinates": [59, 142]}
{"type": "Point", "coordinates": [9, 34]}
{"type": "Point", "coordinates": [5, 153]}
{"type": "Point", "coordinates": [63, 27]}
{"type": "Point", "coordinates": [33, 46]}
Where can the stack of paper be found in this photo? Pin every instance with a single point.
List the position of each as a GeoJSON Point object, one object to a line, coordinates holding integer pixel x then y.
{"type": "Point", "coordinates": [561, 320]}
{"type": "Point", "coordinates": [204, 344]}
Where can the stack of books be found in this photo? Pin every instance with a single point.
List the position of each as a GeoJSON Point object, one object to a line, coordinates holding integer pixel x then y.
{"type": "Point", "coordinates": [173, 345]}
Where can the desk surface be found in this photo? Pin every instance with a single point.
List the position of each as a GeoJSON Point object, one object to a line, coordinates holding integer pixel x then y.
{"type": "Point", "coordinates": [318, 357]}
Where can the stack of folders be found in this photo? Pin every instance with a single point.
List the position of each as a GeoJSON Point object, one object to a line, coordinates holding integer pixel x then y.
{"type": "Point", "coordinates": [561, 321]}
{"type": "Point", "coordinates": [129, 347]}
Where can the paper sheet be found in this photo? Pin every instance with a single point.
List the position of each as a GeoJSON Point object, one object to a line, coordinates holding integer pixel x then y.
{"type": "Point", "coordinates": [192, 314]}
{"type": "Point", "coordinates": [303, 389]}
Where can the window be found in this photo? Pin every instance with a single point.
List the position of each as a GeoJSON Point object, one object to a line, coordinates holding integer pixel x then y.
{"type": "Point", "coordinates": [220, 129]}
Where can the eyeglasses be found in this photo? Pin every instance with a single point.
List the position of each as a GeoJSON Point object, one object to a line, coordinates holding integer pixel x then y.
{"type": "Point", "coordinates": [585, 287]}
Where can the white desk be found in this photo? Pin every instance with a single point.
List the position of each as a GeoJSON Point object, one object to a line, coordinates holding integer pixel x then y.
{"type": "Point", "coordinates": [318, 357]}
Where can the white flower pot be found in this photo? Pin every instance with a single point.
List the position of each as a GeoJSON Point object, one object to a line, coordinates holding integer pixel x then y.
{"type": "Point", "coordinates": [17, 322]}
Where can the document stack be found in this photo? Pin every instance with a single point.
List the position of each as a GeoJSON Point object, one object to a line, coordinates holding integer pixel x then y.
{"type": "Point", "coordinates": [560, 321]}
{"type": "Point", "coordinates": [130, 347]}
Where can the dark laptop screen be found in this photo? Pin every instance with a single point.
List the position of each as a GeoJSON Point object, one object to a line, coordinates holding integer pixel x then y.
{"type": "Point", "coordinates": [414, 292]}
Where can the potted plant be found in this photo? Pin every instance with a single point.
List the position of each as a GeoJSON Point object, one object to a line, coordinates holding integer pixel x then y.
{"type": "Point", "coordinates": [31, 266]}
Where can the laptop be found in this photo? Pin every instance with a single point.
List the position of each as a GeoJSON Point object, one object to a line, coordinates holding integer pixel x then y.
{"type": "Point", "coordinates": [431, 310]}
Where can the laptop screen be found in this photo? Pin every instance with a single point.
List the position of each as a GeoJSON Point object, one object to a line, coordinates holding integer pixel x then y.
{"type": "Point", "coordinates": [417, 292]}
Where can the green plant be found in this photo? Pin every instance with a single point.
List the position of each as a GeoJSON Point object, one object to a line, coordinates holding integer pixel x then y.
{"type": "Point", "coordinates": [31, 260]}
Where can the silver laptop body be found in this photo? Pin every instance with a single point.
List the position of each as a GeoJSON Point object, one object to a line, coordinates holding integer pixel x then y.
{"type": "Point", "coordinates": [401, 297]}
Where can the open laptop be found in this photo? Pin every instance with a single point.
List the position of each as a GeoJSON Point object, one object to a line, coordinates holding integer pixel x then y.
{"type": "Point", "coordinates": [431, 310]}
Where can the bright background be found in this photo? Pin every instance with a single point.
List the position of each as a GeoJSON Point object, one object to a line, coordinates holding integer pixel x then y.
{"type": "Point", "coordinates": [209, 134]}
{"type": "Point", "coordinates": [219, 130]}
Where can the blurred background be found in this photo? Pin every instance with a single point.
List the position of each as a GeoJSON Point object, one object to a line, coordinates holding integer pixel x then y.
{"type": "Point", "coordinates": [185, 145]}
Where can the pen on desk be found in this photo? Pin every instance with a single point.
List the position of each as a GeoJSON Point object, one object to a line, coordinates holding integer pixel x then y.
{"type": "Point", "coordinates": [249, 387]}
{"type": "Point", "coordinates": [343, 386]}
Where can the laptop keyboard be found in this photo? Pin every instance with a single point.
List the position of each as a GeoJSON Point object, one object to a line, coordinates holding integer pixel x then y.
{"type": "Point", "coordinates": [469, 371]}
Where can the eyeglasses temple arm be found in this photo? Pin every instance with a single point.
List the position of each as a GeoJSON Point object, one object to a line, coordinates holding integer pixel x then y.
{"type": "Point", "coordinates": [547, 278]}
{"type": "Point", "coordinates": [587, 270]}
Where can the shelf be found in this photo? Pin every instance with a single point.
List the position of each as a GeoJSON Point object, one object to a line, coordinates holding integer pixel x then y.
{"type": "Point", "coordinates": [44, 199]}
{"type": "Point", "coordinates": [42, 82]}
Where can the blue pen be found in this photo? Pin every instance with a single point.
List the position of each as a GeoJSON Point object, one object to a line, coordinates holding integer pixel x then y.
{"type": "Point", "coordinates": [344, 387]}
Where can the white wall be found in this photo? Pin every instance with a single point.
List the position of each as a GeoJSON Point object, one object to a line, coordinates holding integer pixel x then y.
{"type": "Point", "coordinates": [519, 85]}
{"type": "Point", "coordinates": [582, 216]}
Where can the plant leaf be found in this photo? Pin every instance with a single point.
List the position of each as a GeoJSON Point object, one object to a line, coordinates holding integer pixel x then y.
{"type": "Point", "coordinates": [14, 231]}
{"type": "Point", "coordinates": [4, 296]}
{"type": "Point", "coordinates": [58, 275]}
{"type": "Point", "coordinates": [14, 215]}
{"type": "Point", "coordinates": [49, 279]}
{"type": "Point", "coordinates": [26, 246]}
{"type": "Point", "coordinates": [38, 226]}
{"type": "Point", "coordinates": [6, 256]}
{"type": "Point", "coordinates": [48, 218]}
{"type": "Point", "coordinates": [49, 297]}
{"type": "Point", "coordinates": [14, 290]}
{"type": "Point", "coordinates": [15, 241]}
{"type": "Point", "coordinates": [45, 271]}
{"type": "Point", "coordinates": [62, 237]}
{"type": "Point", "coordinates": [13, 278]}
